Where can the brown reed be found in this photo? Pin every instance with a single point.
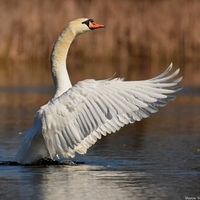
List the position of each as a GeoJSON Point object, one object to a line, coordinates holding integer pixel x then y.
{"type": "Point", "coordinates": [135, 30]}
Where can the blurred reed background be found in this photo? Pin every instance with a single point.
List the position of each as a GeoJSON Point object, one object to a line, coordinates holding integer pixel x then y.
{"type": "Point", "coordinates": [140, 40]}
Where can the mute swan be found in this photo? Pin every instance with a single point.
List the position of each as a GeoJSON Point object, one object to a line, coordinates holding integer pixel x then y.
{"type": "Point", "coordinates": [77, 116]}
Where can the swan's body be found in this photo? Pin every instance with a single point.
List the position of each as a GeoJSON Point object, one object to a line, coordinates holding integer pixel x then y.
{"type": "Point", "coordinates": [77, 116]}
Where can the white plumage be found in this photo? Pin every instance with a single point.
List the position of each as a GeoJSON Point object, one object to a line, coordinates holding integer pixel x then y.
{"type": "Point", "coordinates": [77, 116]}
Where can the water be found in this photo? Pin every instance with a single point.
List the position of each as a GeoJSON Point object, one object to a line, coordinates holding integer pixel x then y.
{"type": "Point", "coordinates": [157, 158]}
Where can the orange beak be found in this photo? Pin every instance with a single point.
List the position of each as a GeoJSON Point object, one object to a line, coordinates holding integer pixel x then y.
{"type": "Point", "coordinates": [93, 25]}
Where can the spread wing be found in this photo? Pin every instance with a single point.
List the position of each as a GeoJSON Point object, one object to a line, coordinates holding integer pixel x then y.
{"type": "Point", "coordinates": [75, 120]}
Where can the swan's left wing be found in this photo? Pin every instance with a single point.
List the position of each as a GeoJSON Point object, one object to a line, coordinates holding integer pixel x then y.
{"type": "Point", "coordinates": [74, 121]}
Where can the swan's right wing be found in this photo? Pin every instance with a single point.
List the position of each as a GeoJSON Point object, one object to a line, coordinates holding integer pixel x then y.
{"type": "Point", "coordinates": [74, 121]}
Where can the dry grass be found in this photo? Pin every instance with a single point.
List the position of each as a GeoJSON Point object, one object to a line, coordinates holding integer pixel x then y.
{"type": "Point", "coordinates": [154, 30]}
{"type": "Point", "coordinates": [136, 31]}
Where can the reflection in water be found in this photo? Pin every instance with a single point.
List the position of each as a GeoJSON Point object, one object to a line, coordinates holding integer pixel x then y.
{"type": "Point", "coordinates": [39, 74]}
{"type": "Point", "coordinates": [83, 182]}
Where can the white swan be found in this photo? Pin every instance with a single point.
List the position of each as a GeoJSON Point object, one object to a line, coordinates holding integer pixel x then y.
{"type": "Point", "coordinates": [77, 116]}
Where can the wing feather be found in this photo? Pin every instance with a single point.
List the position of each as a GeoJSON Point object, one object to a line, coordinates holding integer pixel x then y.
{"type": "Point", "coordinates": [92, 108]}
{"type": "Point", "coordinates": [66, 135]}
{"type": "Point", "coordinates": [164, 73]}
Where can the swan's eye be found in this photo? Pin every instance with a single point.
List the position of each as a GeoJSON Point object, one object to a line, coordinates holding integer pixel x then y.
{"type": "Point", "coordinates": [87, 22]}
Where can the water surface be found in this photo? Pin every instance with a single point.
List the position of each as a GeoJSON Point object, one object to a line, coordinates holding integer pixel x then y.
{"type": "Point", "coordinates": [157, 158]}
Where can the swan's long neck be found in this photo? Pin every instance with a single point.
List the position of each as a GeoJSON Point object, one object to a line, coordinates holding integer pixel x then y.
{"type": "Point", "coordinates": [58, 62]}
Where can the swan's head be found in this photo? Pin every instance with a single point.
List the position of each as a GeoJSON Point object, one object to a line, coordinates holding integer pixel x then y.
{"type": "Point", "coordinates": [83, 25]}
